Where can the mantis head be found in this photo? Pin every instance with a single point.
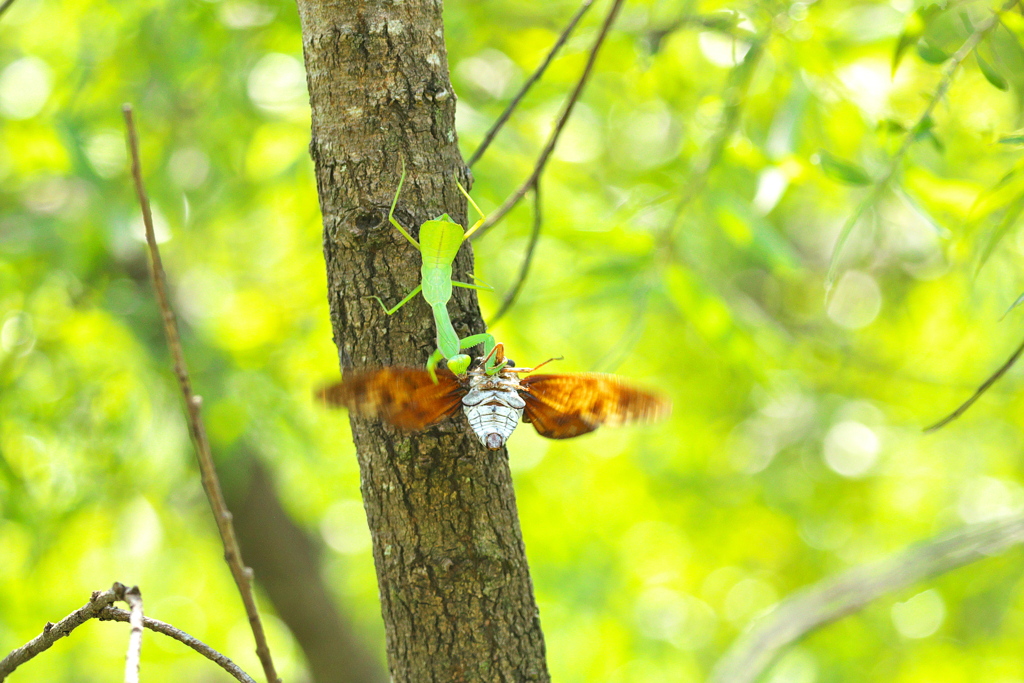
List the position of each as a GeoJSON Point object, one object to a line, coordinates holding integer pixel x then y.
{"type": "Point", "coordinates": [459, 364]}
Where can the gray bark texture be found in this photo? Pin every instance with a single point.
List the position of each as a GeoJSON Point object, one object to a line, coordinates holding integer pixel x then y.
{"type": "Point", "coordinates": [454, 584]}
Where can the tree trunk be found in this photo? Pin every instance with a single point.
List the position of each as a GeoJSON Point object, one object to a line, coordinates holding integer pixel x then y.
{"type": "Point", "coordinates": [454, 584]}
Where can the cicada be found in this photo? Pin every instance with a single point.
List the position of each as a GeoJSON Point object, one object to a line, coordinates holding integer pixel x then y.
{"type": "Point", "coordinates": [559, 406]}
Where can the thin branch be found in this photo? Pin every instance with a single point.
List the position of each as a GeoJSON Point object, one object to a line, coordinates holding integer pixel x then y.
{"type": "Point", "coordinates": [5, 5]}
{"type": "Point", "coordinates": [133, 659]}
{"type": "Point", "coordinates": [720, 22]}
{"type": "Point", "coordinates": [882, 183]}
{"type": "Point", "coordinates": [849, 592]}
{"type": "Point", "coordinates": [977, 394]}
{"type": "Point", "coordinates": [211, 484]}
{"type": "Point", "coordinates": [54, 632]}
{"type": "Point", "coordinates": [510, 298]}
{"type": "Point", "coordinates": [545, 154]}
{"type": "Point", "coordinates": [114, 614]}
{"type": "Point", "coordinates": [534, 77]}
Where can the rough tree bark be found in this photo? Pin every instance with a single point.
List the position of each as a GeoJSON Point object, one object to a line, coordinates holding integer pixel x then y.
{"type": "Point", "coordinates": [454, 584]}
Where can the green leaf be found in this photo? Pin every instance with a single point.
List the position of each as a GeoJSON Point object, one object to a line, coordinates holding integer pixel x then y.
{"type": "Point", "coordinates": [921, 212]}
{"type": "Point", "coordinates": [1008, 221]}
{"type": "Point", "coordinates": [843, 171]}
{"type": "Point", "coordinates": [930, 53]}
{"type": "Point", "coordinates": [892, 126]}
{"type": "Point", "coordinates": [990, 73]}
{"type": "Point", "coordinates": [1014, 305]}
{"type": "Point", "coordinates": [968, 24]}
{"type": "Point", "coordinates": [912, 32]}
{"type": "Point", "coordinates": [1015, 138]}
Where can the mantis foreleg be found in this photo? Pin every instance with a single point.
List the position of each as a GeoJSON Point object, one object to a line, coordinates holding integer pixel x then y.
{"type": "Point", "coordinates": [458, 363]}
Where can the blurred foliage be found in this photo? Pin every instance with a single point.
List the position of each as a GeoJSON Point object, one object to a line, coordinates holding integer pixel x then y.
{"type": "Point", "coordinates": [795, 448]}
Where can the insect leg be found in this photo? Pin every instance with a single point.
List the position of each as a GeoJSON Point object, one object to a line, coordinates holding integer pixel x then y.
{"type": "Point", "coordinates": [482, 216]}
{"type": "Point", "coordinates": [401, 303]}
{"type": "Point", "coordinates": [391, 213]}
{"type": "Point", "coordinates": [466, 285]}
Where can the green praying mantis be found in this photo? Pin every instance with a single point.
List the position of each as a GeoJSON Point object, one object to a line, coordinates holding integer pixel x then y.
{"type": "Point", "coordinates": [440, 240]}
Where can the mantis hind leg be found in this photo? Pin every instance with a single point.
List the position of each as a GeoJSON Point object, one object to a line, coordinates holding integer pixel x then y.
{"type": "Point", "coordinates": [407, 299]}
{"type": "Point", "coordinates": [483, 217]}
{"type": "Point", "coordinates": [391, 213]}
{"type": "Point", "coordinates": [466, 285]}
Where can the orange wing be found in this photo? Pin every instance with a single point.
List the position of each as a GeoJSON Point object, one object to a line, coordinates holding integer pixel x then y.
{"type": "Point", "coordinates": [564, 406]}
{"type": "Point", "coordinates": [405, 397]}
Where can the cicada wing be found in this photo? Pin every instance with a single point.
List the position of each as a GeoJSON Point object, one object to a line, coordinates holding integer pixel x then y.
{"type": "Point", "coordinates": [405, 397]}
{"type": "Point", "coordinates": [564, 406]}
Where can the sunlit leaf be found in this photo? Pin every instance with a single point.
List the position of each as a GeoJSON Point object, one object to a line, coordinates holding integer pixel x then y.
{"type": "Point", "coordinates": [1014, 305]}
{"type": "Point", "coordinates": [990, 73]}
{"type": "Point", "coordinates": [1008, 222]}
{"type": "Point", "coordinates": [930, 53]}
{"type": "Point", "coordinates": [1016, 138]}
{"type": "Point", "coordinates": [841, 170]}
{"type": "Point", "coordinates": [912, 32]}
{"type": "Point", "coordinates": [921, 212]}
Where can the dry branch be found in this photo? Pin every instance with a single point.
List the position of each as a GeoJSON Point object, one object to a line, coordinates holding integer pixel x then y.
{"type": "Point", "coordinates": [5, 5]}
{"type": "Point", "coordinates": [534, 77]}
{"type": "Point", "coordinates": [545, 154]}
{"type": "Point", "coordinates": [99, 607]}
{"type": "Point", "coordinates": [115, 614]}
{"type": "Point", "coordinates": [524, 269]}
{"type": "Point", "coordinates": [133, 660]}
{"type": "Point", "coordinates": [851, 591]}
{"type": "Point", "coordinates": [211, 484]}
{"type": "Point", "coordinates": [54, 632]}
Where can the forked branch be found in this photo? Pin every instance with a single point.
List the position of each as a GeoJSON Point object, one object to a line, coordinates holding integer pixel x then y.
{"type": "Point", "coordinates": [99, 607]}
{"type": "Point", "coordinates": [211, 484]}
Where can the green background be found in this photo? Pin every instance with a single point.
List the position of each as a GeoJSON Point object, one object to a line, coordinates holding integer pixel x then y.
{"type": "Point", "coordinates": [794, 450]}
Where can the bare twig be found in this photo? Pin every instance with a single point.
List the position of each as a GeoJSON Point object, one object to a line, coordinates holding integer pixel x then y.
{"type": "Point", "coordinates": [54, 632]}
{"type": "Point", "coordinates": [851, 591]}
{"type": "Point", "coordinates": [5, 5]}
{"type": "Point", "coordinates": [99, 607]}
{"type": "Point", "coordinates": [545, 154]}
{"type": "Point", "coordinates": [977, 394]}
{"type": "Point", "coordinates": [114, 614]}
{"type": "Point", "coordinates": [911, 136]}
{"type": "Point", "coordinates": [510, 297]}
{"type": "Point", "coordinates": [534, 77]}
{"type": "Point", "coordinates": [211, 484]}
{"type": "Point", "coordinates": [720, 22]}
{"type": "Point", "coordinates": [133, 659]}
